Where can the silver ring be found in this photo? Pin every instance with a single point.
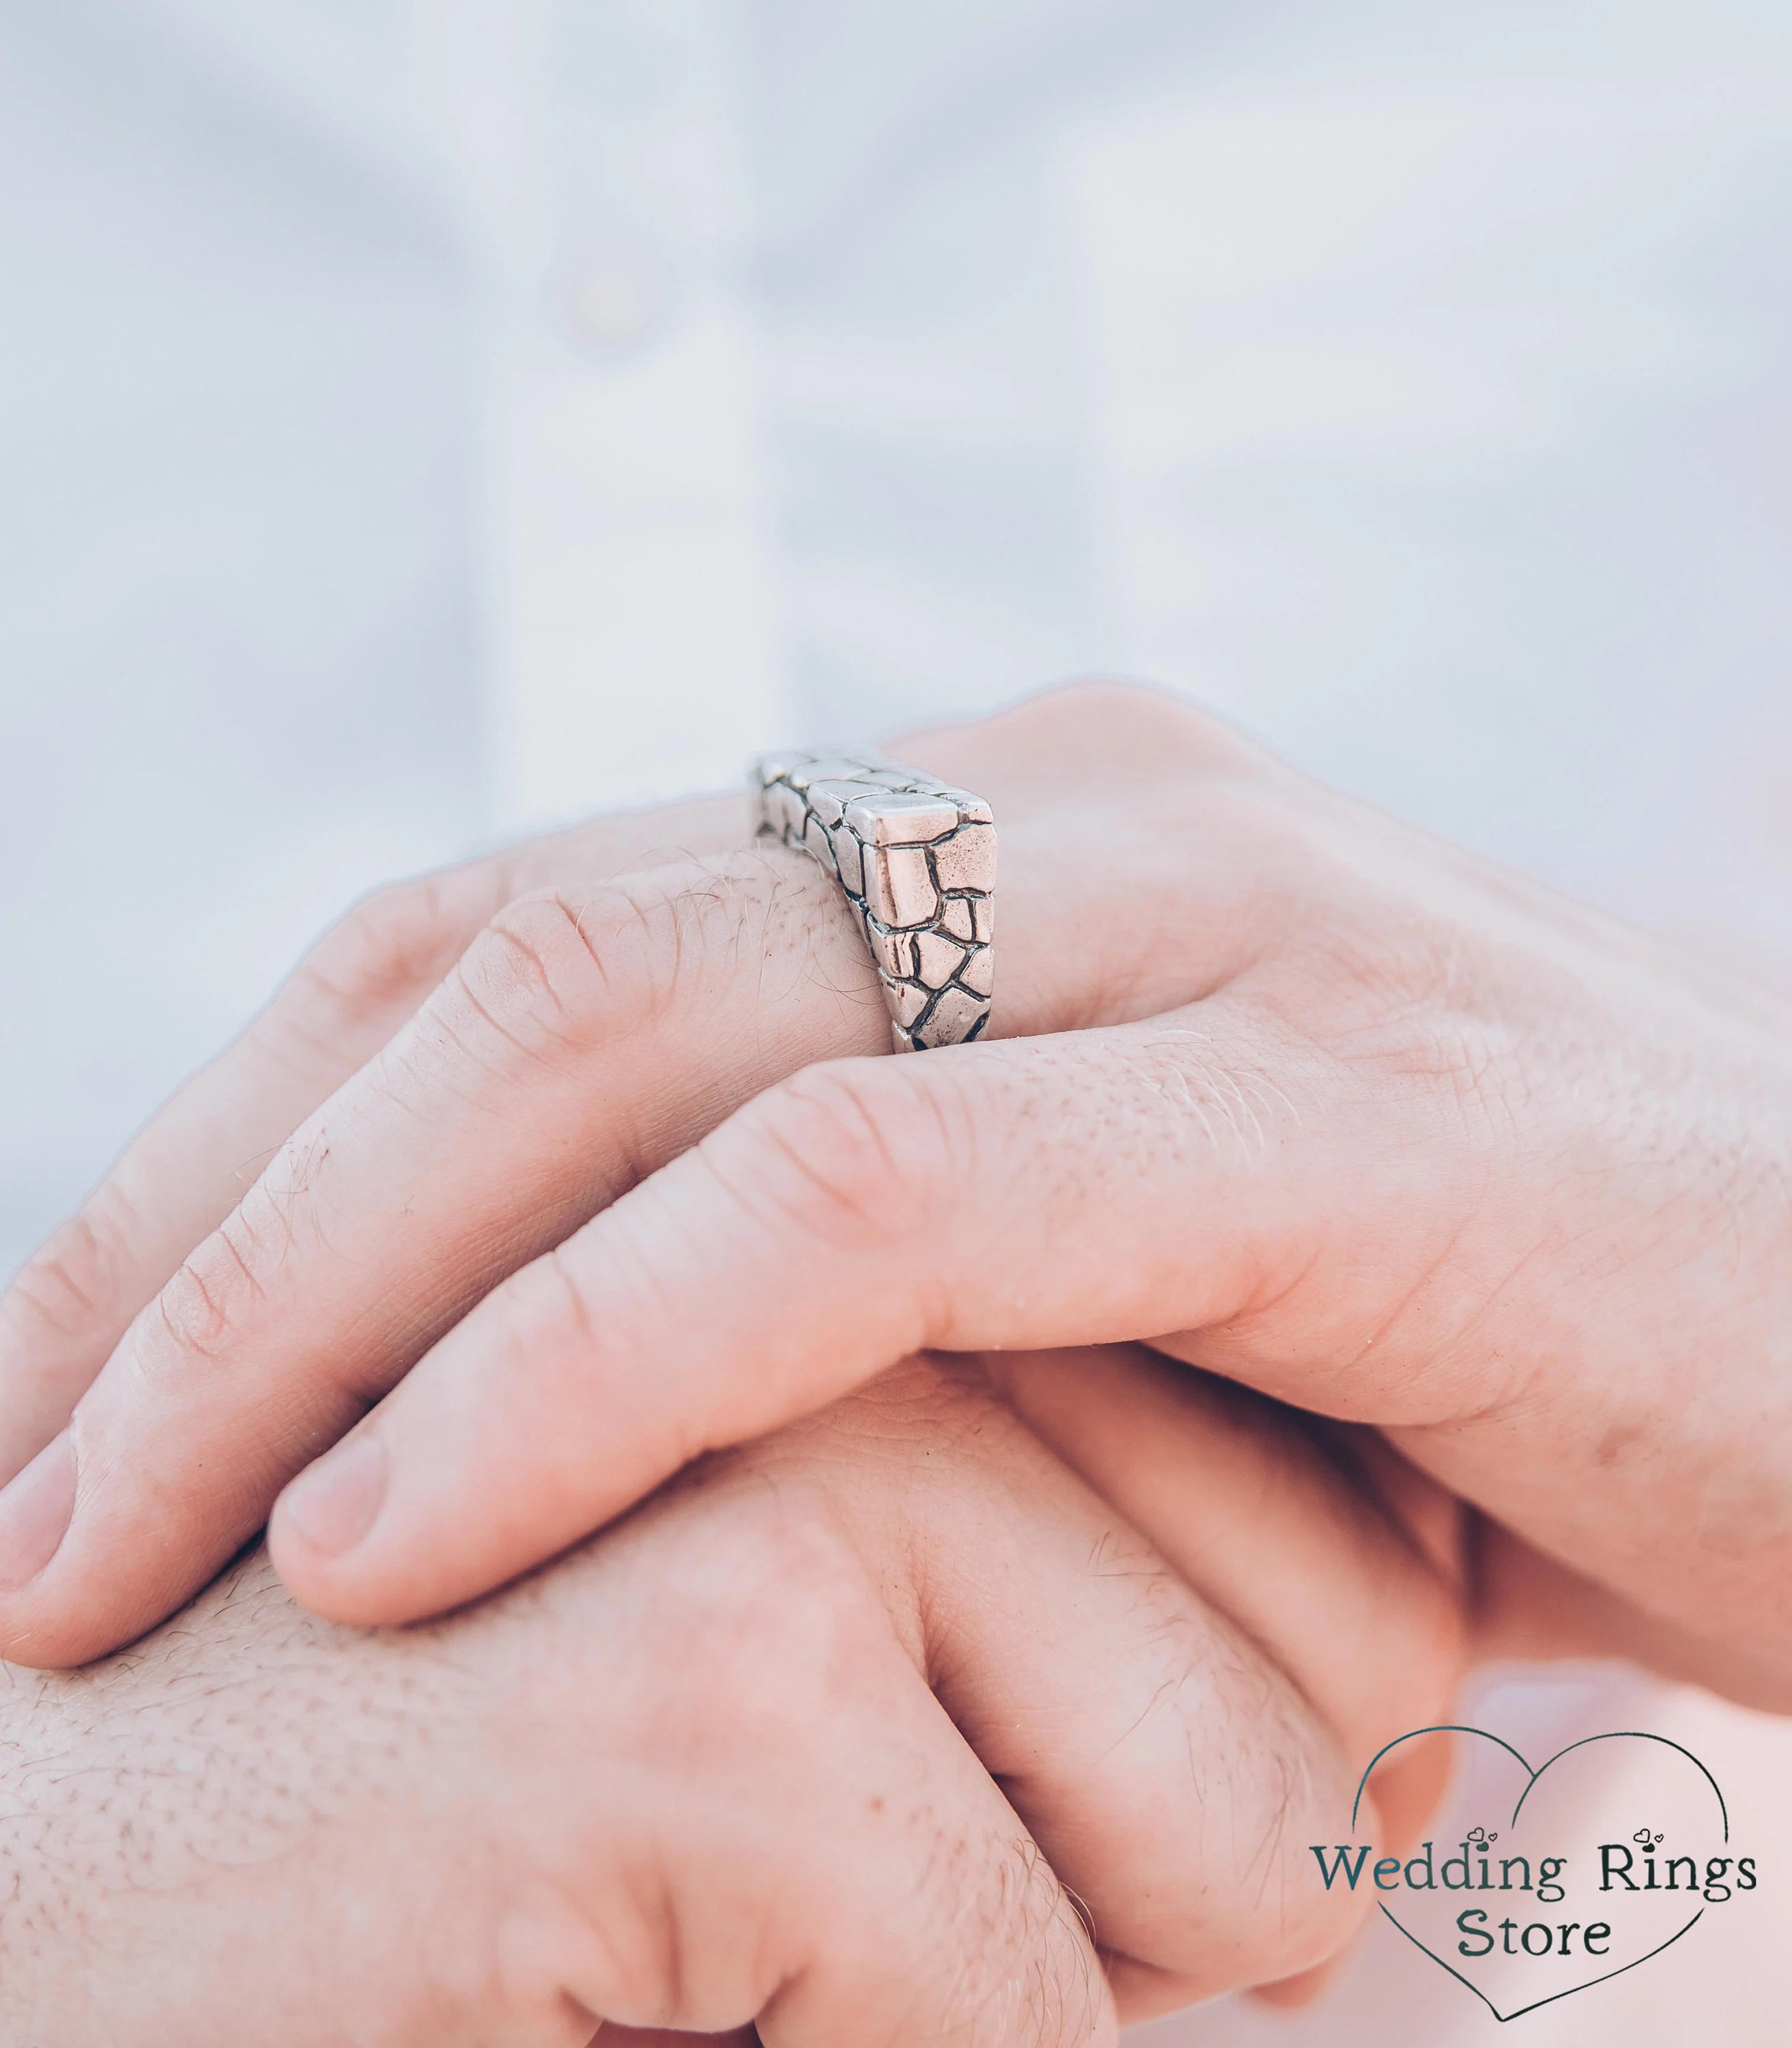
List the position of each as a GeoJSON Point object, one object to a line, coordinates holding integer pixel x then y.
{"type": "Point", "coordinates": [916, 858]}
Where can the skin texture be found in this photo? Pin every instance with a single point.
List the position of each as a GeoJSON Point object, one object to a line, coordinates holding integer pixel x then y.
{"type": "Point", "coordinates": [718, 1763]}
{"type": "Point", "coordinates": [1300, 1097]}
{"type": "Point", "coordinates": [586, 1154]}
{"type": "Point", "coordinates": [1287, 1090]}
{"type": "Point", "coordinates": [912, 1667]}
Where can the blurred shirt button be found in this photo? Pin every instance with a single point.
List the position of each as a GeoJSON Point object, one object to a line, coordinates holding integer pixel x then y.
{"type": "Point", "coordinates": [616, 302]}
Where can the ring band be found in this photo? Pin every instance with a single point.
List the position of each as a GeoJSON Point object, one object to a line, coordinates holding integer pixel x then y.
{"type": "Point", "coordinates": [916, 858]}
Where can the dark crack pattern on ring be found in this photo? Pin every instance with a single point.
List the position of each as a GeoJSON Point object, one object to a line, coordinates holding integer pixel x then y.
{"type": "Point", "coordinates": [916, 860]}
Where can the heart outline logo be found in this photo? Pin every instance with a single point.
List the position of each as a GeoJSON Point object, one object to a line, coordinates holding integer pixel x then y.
{"type": "Point", "coordinates": [1531, 1777]}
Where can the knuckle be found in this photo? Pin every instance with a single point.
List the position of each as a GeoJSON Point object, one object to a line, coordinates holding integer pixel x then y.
{"type": "Point", "coordinates": [1227, 1903]}
{"type": "Point", "coordinates": [545, 1312]}
{"type": "Point", "coordinates": [539, 980]}
{"type": "Point", "coordinates": [1395, 958]}
{"type": "Point", "coordinates": [679, 929]}
{"type": "Point", "coordinates": [216, 1292]}
{"type": "Point", "coordinates": [790, 905]}
{"type": "Point", "coordinates": [862, 1153]}
{"type": "Point", "coordinates": [537, 1328]}
{"type": "Point", "coordinates": [1026, 1912]}
{"type": "Point", "coordinates": [74, 1281]}
{"type": "Point", "coordinates": [748, 1597]}
{"type": "Point", "coordinates": [1286, 1785]}
{"type": "Point", "coordinates": [1404, 998]}
{"type": "Point", "coordinates": [759, 1596]}
{"type": "Point", "coordinates": [777, 1585]}
{"type": "Point", "coordinates": [555, 972]}
{"type": "Point", "coordinates": [370, 968]}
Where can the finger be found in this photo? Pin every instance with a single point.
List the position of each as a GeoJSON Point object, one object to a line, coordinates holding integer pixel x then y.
{"type": "Point", "coordinates": [581, 1042]}
{"type": "Point", "coordinates": [690, 1778]}
{"type": "Point", "coordinates": [1165, 1763]}
{"type": "Point", "coordinates": [1146, 857]}
{"type": "Point", "coordinates": [585, 1037]}
{"type": "Point", "coordinates": [1074, 1190]}
{"type": "Point", "coordinates": [1273, 1519]}
{"type": "Point", "coordinates": [794, 1833]}
{"type": "Point", "coordinates": [1347, 1567]}
{"type": "Point", "coordinates": [439, 1169]}
{"type": "Point", "coordinates": [1138, 756]}
{"type": "Point", "coordinates": [1179, 895]}
{"type": "Point", "coordinates": [67, 1308]}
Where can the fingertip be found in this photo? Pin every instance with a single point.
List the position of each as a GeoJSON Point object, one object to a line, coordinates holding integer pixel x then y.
{"type": "Point", "coordinates": [343, 1551]}
{"type": "Point", "coordinates": [36, 1509]}
{"type": "Point", "coordinates": [317, 1533]}
{"type": "Point", "coordinates": [50, 1630]}
{"type": "Point", "coordinates": [320, 1584]}
{"type": "Point", "coordinates": [331, 1505]}
{"type": "Point", "coordinates": [77, 1587]}
{"type": "Point", "coordinates": [55, 1646]}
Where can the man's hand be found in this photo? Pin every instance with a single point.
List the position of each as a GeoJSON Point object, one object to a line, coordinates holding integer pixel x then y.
{"type": "Point", "coordinates": [1353, 1118]}
{"type": "Point", "coordinates": [718, 1765]}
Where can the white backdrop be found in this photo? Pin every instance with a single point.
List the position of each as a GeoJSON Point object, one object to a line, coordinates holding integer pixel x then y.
{"type": "Point", "coordinates": [422, 418]}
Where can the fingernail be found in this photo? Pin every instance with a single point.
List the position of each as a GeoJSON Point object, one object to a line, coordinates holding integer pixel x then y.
{"type": "Point", "coordinates": [34, 1513]}
{"type": "Point", "coordinates": [333, 1503]}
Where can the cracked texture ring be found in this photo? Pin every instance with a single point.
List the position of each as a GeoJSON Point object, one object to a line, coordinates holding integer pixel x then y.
{"type": "Point", "coordinates": [916, 858]}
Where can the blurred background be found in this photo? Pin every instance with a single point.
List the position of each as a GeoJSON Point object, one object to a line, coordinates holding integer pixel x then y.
{"type": "Point", "coordinates": [424, 420]}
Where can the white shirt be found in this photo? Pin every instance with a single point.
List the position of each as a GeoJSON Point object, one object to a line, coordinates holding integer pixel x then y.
{"type": "Point", "coordinates": [423, 419]}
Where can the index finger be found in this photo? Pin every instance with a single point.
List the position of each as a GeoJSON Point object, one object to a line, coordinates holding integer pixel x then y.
{"type": "Point", "coordinates": [72, 1301]}
{"type": "Point", "coordinates": [579, 1044]}
{"type": "Point", "coordinates": [1092, 1187]}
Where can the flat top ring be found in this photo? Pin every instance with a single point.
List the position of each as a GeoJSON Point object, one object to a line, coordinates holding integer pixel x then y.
{"type": "Point", "coordinates": [916, 858]}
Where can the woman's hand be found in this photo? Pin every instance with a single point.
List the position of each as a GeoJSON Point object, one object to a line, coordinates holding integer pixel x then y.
{"type": "Point", "coordinates": [1347, 1115]}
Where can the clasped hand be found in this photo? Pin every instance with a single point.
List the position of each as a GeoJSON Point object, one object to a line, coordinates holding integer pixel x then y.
{"type": "Point", "coordinates": [581, 1164]}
